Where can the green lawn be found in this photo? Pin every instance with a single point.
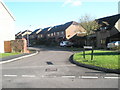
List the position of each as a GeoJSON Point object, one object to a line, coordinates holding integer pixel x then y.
{"type": "Point", "coordinates": [7, 54]}
{"type": "Point", "coordinates": [105, 59]}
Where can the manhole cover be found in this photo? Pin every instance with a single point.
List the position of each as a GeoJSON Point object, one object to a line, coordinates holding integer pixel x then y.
{"type": "Point", "coordinates": [50, 69]}
{"type": "Point", "coordinates": [49, 63]}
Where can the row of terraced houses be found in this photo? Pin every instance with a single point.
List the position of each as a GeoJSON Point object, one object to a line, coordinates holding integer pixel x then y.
{"type": "Point", "coordinates": [53, 35]}
{"type": "Point", "coordinates": [69, 31]}
{"type": "Point", "coordinates": [72, 31]}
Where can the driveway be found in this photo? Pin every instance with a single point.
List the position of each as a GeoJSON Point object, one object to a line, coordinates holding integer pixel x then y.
{"type": "Point", "coordinates": [51, 68]}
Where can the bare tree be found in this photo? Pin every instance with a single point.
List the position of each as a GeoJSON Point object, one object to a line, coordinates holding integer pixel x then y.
{"type": "Point", "coordinates": [89, 24]}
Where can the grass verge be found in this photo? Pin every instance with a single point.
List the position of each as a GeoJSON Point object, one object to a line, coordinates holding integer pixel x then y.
{"type": "Point", "coordinates": [7, 54]}
{"type": "Point", "coordinates": [105, 59]}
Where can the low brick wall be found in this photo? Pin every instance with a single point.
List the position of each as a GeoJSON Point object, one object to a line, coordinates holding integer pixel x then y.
{"type": "Point", "coordinates": [19, 45]}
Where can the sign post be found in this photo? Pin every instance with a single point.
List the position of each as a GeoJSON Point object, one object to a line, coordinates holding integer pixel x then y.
{"type": "Point", "coordinates": [88, 47]}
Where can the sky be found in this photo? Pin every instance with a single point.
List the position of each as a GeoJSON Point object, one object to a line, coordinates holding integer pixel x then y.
{"type": "Point", "coordinates": [44, 13]}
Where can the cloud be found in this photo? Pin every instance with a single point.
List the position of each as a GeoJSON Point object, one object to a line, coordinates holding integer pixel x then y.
{"type": "Point", "coordinates": [76, 3]}
{"type": "Point", "coordinates": [72, 3]}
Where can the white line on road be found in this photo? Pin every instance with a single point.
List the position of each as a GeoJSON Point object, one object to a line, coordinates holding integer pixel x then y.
{"type": "Point", "coordinates": [10, 75]}
{"type": "Point", "coordinates": [66, 65]}
{"type": "Point", "coordinates": [48, 76]}
{"type": "Point", "coordinates": [28, 76]}
{"type": "Point", "coordinates": [111, 77]}
{"type": "Point", "coordinates": [88, 77]}
{"type": "Point", "coordinates": [68, 76]}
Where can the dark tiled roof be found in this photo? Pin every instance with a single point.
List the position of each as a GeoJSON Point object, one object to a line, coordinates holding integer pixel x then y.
{"type": "Point", "coordinates": [26, 31]}
{"type": "Point", "coordinates": [35, 31]}
{"type": "Point", "coordinates": [43, 31]}
{"type": "Point", "coordinates": [18, 33]}
{"type": "Point", "coordinates": [111, 20]}
{"type": "Point", "coordinates": [62, 27]}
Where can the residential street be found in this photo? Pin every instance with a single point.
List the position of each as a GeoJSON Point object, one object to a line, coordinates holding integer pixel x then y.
{"type": "Point", "coordinates": [51, 68]}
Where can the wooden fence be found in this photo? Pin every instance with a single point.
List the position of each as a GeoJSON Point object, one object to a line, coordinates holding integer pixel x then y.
{"type": "Point", "coordinates": [7, 47]}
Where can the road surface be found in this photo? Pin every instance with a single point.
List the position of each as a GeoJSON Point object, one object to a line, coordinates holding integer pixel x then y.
{"type": "Point", "coordinates": [50, 68]}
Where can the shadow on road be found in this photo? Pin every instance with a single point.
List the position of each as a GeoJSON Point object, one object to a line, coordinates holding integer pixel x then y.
{"type": "Point", "coordinates": [54, 48]}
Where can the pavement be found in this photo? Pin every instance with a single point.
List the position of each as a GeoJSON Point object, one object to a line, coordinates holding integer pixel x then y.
{"type": "Point", "coordinates": [50, 68]}
{"type": "Point", "coordinates": [17, 57]}
{"type": "Point", "coordinates": [13, 56]}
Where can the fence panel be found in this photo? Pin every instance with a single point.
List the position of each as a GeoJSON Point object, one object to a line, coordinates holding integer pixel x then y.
{"type": "Point", "coordinates": [7, 46]}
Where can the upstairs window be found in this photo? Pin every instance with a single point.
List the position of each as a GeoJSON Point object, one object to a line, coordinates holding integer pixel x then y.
{"type": "Point", "coordinates": [48, 35]}
{"type": "Point", "coordinates": [41, 35]}
{"type": "Point", "coordinates": [57, 33]}
{"type": "Point", "coordinates": [62, 32]}
{"type": "Point", "coordinates": [52, 34]}
{"type": "Point", "coordinates": [38, 36]}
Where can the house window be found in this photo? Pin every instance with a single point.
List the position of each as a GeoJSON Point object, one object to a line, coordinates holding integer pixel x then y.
{"type": "Point", "coordinates": [52, 34]}
{"type": "Point", "coordinates": [38, 36]}
{"type": "Point", "coordinates": [103, 41]}
{"type": "Point", "coordinates": [48, 35]}
{"type": "Point", "coordinates": [57, 33]}
{"type": "Point", "coordinates": [62, 32]}
{"type": "Point", "coordinates": [41, 35]}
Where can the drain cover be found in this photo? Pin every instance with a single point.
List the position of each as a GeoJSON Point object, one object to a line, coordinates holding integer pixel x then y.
{"type": "Point", "coordinates": [51, 69]}
{"type": "Point", "coordinates": [49, 63]}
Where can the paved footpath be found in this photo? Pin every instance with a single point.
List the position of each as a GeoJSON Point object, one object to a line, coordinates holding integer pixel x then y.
{"type": "Point", "coordinates": [50, 68]}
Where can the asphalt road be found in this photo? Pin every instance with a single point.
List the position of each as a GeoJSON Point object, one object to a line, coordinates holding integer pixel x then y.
{"type": "Point", "coordinates": [50, 68]}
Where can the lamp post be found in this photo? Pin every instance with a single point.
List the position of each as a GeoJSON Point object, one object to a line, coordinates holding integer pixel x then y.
{"type": "Point", "coordinates": [27, 38]}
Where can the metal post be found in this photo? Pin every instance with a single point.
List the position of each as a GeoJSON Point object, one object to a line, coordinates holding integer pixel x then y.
{"type": "Point", "coordinates": [92, 54]}
{"type": "Point", "coordinates": [27, 38]}
{"type": "Point", "coordinates": [84, 53]}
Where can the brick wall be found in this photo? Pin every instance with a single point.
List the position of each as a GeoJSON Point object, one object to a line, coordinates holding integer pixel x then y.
{"type": "Point", "coordinates": [18, 45]}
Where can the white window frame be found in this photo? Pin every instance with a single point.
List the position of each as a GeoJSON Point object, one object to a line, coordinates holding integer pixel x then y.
{"type": "Point", "coordinates": [48, 35]}
{"type": "Point", "coordinates": [58, 33]}
{"type": "Point", "coordinates": [62, 32]}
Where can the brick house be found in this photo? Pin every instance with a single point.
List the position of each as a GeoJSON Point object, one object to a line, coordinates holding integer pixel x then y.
{"type": "Point", "coordinates": [109, 31]}
{"type": "Point", "coordinates": [18, 35]}
{"type": "Point", "coordinates": [65, 31]}
{"type": "Point", "coordinates": [41, 36]}
{"type": "Point", "coordinates": [33, 36]}
{"type": "Point", "coordinates": [23, 34]}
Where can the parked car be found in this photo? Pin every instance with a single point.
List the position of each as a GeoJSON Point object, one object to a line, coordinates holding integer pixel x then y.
{"type": "Point", "coordinates": [113, 44]}
{"type": "Point", "coordinates": [65, 43]}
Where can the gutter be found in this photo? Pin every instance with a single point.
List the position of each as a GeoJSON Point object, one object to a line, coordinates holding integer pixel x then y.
{"type": "Point", "coordinates": [3, 4]}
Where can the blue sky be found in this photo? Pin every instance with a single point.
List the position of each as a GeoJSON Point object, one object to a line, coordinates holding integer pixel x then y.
{"type": "Point", "coordinates": [33, 15]}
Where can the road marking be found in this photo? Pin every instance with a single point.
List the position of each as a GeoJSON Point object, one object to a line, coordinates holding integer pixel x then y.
{"type": "Point", "coordinates": [68, 76]}
{"type": "Point", "coordinates": [10, 75]}
{"type": "Point", "coordinates": [48, 76]}
{"type": "Point", "coordinates": [65, 65]}
{"type": "Point", "coordinates": [88, 77]}
{"type": "Point", "coordinates": [111, 77]}
{"type": "Point", "coordinates": [28, 76]}
{"type": "Point", "coordinates": [11, 60]}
